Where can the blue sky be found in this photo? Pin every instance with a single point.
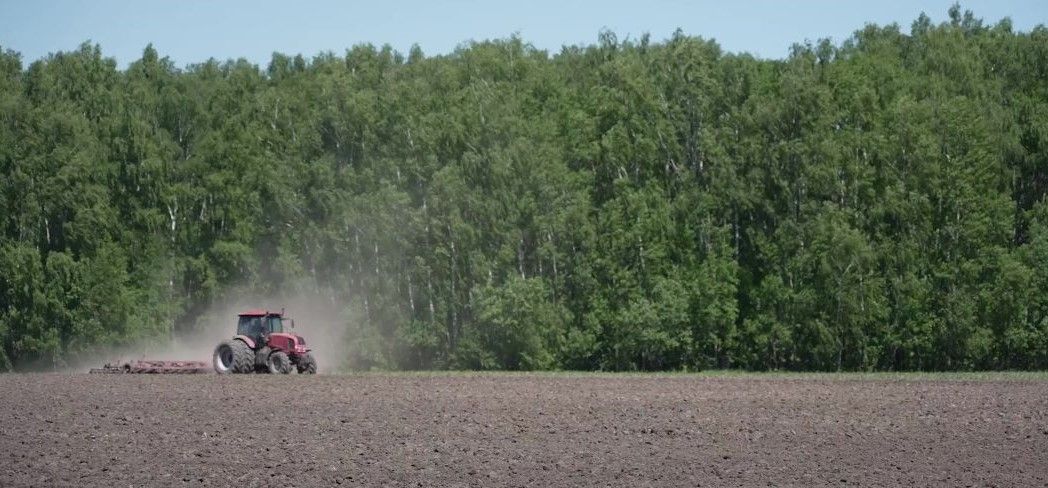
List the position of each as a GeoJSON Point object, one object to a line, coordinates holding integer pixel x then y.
{"type": "Point", "coordinates": [190, 31]}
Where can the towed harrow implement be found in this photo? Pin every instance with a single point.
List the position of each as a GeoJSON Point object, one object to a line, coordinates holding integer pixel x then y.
{"type": "Point", "coordinates": [143, 366]}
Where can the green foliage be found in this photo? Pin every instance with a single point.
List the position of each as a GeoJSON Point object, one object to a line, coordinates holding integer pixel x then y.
{"type": "Point", "coordinates": [874, 205]}
{"type": "Point", "coordinates": [517, 327]}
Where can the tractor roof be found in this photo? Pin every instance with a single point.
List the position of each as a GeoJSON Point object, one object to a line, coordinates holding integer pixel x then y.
{"type": "Point", "coordinates": [257, 312]}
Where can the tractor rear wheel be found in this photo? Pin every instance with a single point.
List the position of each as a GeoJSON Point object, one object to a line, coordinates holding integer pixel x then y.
{"type": "Point", "coordinates": [262, 359]}
{"type": "Point", "coordinates": [307, 365]}
{"type": "Point", "coordinates": [234, 357]}
{"type": "Point", "coordinates": [279, 363]}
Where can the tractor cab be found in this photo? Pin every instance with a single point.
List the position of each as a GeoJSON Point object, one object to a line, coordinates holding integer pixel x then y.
{"type": "Point", "coordinates": [258, 323]}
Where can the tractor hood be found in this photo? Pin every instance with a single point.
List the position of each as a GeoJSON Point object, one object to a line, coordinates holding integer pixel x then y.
{"type": "Point", "coordinates": [289, 342]}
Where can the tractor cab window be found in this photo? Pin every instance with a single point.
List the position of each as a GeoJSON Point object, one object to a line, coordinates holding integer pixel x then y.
{"type": "Point", "coordinates": [275, 325]}
{"type": "Point", "coordinates": [250, 326]}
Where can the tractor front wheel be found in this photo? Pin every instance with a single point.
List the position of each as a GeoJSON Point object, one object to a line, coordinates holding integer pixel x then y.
{"type": "Point", "coordinates": [307, 365]}
{"type": "Point", "coordinates": [279, 363]}
{"type": "Point", "coordinates": [234, 357]}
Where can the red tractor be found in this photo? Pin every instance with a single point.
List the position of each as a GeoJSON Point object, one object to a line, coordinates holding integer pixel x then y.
{"type": "Point", "coordinates": [262, 345]}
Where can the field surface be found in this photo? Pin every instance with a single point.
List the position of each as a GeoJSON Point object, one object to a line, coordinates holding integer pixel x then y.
{"type": "Point", "coordinates": [522, 430]}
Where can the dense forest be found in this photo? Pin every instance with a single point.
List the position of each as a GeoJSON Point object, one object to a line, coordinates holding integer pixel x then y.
{"type": "Point", "coordinates": [876, 204]}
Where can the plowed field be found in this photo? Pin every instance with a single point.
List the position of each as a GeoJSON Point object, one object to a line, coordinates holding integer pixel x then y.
{"type": "Point", "coordinates": [519, 430]}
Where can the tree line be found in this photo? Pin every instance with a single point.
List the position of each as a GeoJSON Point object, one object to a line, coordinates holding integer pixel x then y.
{"type": "Point", "coordinates": [877, 204]}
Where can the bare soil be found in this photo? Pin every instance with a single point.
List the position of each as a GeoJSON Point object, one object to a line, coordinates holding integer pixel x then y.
{"type": "Point", "coordinates": [518, 430]}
